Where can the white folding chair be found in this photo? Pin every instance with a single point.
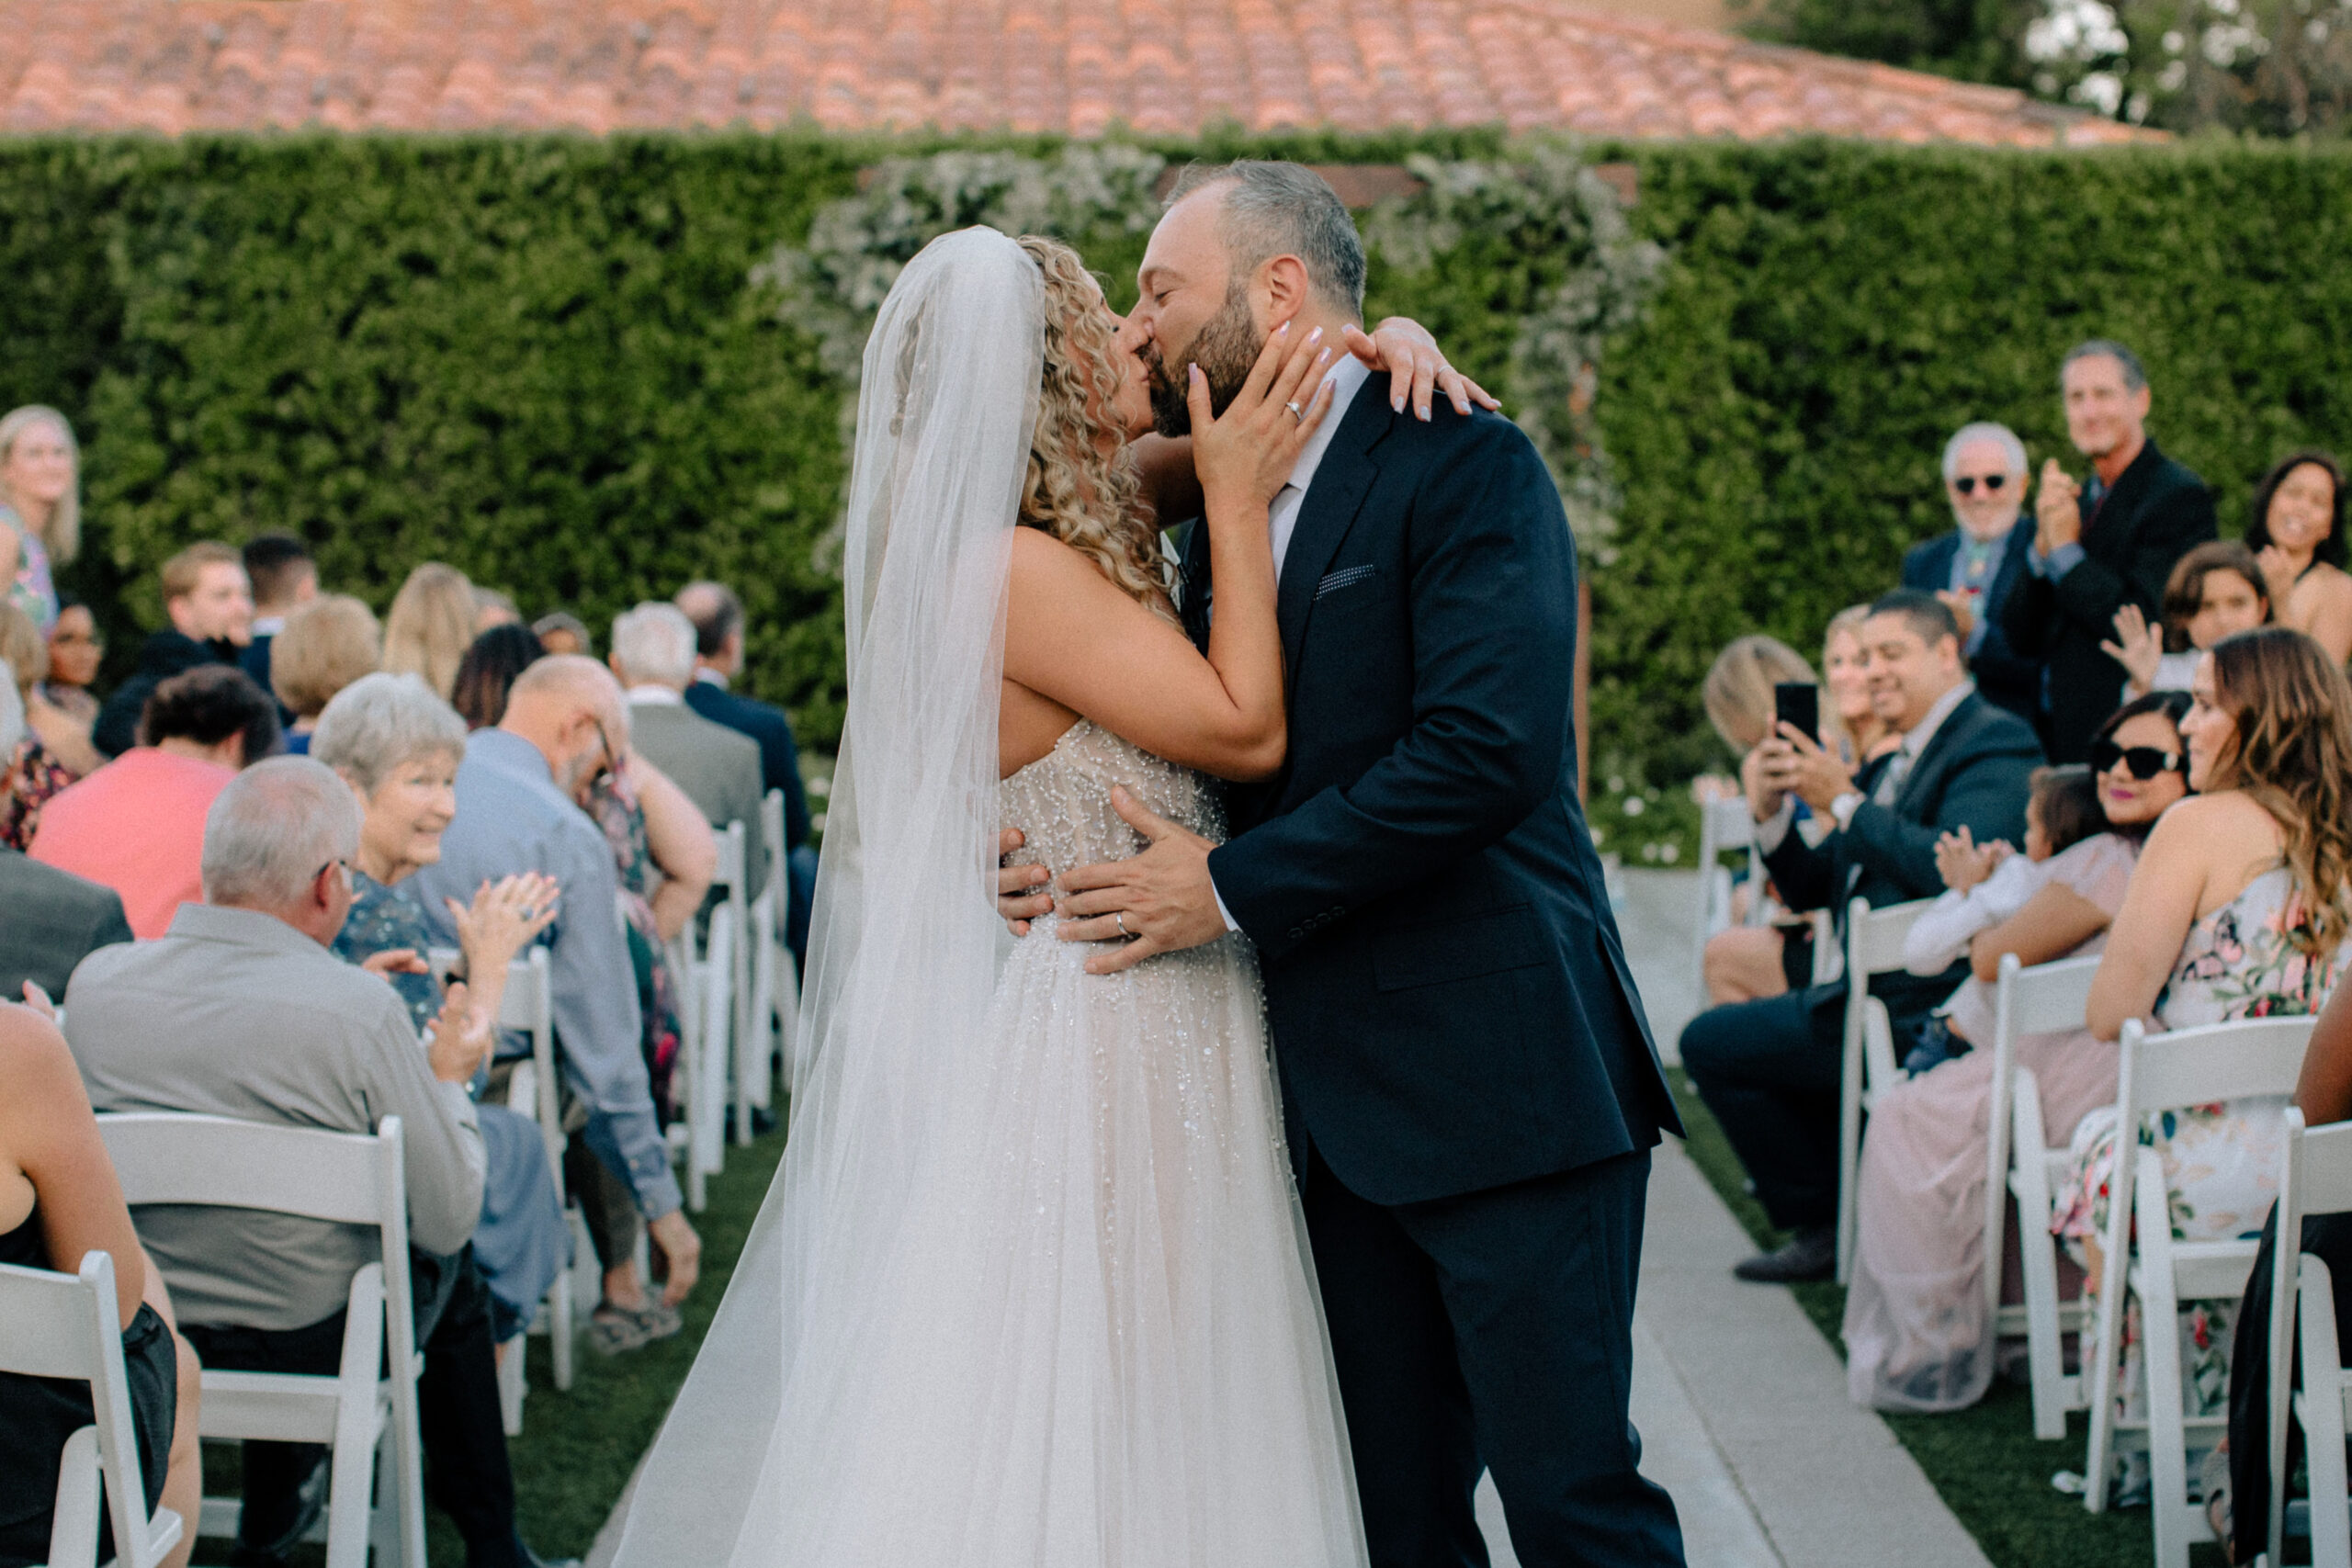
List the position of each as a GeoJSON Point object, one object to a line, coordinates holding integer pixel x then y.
{"type": "Point", "coordinates": [2021, 1165]}
{"type": "Point", "coordinates": [2318, 1180]}
{"type": "Point", "coordinates": [370, 1422]}
{"type": "Point", "coordinates": [1723, 826]}
{"type": "Point", "coordinates": [69, 1327]}
{"type": "Point", "coordinates": [685, 1073]}
{"type": "Point", "coordinates": [2159, 1073]}
{"type": "Point", "coordinates": [776, 989]}
{"type": "Point", "coordinates": [1873, 946]}
{"type": "Point", "coordinates": [714, 996]}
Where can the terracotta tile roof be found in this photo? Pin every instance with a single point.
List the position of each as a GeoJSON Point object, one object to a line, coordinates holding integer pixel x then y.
{"type": "Point", "coordinates": [1164, 67]}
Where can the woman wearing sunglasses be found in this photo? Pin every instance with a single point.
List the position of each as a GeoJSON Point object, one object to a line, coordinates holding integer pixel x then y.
{"type": "Point", "coordinates": [2241, 908]}
{"type": "Point", "coordinates": [2215, 591]}
{"type": "Point", "coordinates": [1916, 1333]}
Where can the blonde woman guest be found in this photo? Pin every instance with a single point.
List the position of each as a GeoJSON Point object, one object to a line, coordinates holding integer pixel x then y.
{"type": "Point", "coordinates": [41, 507]}
{"type": "Point", "coordinates": [326, 645]}
{"type": "Point", "coordinates": [1742, 962]}
{"type": "Point", "coordinates": [430, 626]}
{"type": "Point", "coordinates": [1917, 1329]}
{"type": "Point", "coordinates": [2240, 908]}
{"type": "Point", "coordinates": [2296, 529]}
{"type": "Point", "coordinates": [1849, 725]}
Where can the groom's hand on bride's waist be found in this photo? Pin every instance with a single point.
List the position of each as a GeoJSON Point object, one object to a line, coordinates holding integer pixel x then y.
{"type": "Point", "coordinates": [1020, 895]}
{"type": "Point", "coordinates": [1160, 901]}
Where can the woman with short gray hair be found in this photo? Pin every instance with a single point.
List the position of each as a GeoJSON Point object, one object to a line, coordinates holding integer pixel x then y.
{"type": "Point", "coordinates": [397, 745]}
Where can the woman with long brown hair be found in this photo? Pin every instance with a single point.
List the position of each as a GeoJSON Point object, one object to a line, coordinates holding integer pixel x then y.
{"type": "Point", "coordinates": [2241, 907]}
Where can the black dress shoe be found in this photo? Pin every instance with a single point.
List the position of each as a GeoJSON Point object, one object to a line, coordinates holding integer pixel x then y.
{"type": "Point", "coordinates": [1809, 1254]}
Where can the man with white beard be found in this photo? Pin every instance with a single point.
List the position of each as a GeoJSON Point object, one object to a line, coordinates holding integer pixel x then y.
{"type": "Point", "coordinates": [1973, 568]}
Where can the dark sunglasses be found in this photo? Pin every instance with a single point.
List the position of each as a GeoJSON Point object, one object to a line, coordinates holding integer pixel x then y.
{"type": "Point", "coordinates": [2140, 761]}
{"type": "Point", "coordinates": [1966, 484]}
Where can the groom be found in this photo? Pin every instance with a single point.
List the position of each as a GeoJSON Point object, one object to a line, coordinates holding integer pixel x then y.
{"type": "Point", "coordinates": [1470, 1088]}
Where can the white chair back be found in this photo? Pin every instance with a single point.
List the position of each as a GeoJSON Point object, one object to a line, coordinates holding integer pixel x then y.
{"type": "Point", "coordinates": [1723, 824]}
{"type": "Point", "coordinates": [2164, 1072]}
{"type": "Point", "coordinates": [1873, 946]}
{"type": "Point", "coordinates": [69, 1327]}
{"type": "Point", "coordinates": [2043, 999]}
{"type": "Point", "coordinates": [351, 1179]}
{"type": "Point", "coordinates": [2316, 1179]}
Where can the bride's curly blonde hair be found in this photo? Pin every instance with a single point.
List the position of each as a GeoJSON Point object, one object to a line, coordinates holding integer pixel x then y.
{"type": "Point", "coordinates": [1075, 490]}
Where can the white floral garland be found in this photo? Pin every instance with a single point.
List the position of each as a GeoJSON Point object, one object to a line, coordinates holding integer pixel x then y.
{"type": "Point", "coordinates": [832, 285]}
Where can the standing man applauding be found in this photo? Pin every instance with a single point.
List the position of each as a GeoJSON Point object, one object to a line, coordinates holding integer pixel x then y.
{"type": "Point", "coordinates": [2108, 541]}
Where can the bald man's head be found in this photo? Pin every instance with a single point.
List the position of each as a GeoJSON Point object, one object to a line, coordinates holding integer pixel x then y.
{"type": "Point", "coordinates": [570, 708]}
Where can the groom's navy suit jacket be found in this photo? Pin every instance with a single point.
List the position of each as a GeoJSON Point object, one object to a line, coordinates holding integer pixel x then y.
{"type": "Point", "coordinates": [1451, 1005]}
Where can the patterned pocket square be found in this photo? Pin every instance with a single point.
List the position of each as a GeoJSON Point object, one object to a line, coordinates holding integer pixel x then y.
{"type": "Point", "coordinates": [1346, 576]}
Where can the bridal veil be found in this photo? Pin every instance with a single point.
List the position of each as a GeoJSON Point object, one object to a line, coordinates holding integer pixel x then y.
{"type": "Point", "coordinates": [903, 940]}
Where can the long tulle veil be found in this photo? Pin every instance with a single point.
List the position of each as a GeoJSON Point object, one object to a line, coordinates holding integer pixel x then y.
{"type": "Point", "coordinates": [903, 940]}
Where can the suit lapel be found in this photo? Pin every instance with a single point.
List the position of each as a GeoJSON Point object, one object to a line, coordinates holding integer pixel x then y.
{"type": "Point", "coordinates": [1327, 512]}
{"type": "Point", "coordinates": [1954, 729]}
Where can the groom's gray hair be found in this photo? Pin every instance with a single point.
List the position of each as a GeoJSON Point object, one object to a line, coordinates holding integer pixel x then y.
{"type": "Point", "coordinates": [1276, 209]}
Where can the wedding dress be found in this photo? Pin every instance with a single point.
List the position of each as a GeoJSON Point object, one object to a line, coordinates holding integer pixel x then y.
{"type": "Point", "coordinates": [1032, 1290]}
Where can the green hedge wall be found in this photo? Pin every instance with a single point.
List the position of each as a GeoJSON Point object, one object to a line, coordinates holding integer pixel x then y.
{"type": "Point", "coordinates": [542, 359]}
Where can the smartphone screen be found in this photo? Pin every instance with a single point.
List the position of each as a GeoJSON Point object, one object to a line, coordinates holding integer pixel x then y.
{"type": "Point", "coordinates": [1798, 702]}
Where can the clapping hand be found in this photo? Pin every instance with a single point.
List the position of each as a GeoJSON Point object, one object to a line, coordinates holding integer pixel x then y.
{"type": "Point", "coordinates": [2279, 568]}
{"type": "Point", "coordinates": [2138, 646]}
{"type": "Point", "coordinates": [1406, 350]}
{"type": "Point", "coordinates": [394, 961]}
{"type": "Point", "coordinates": [38, 1000]}
{"type": "Point", "coordinates": [1964, 863]}
{"type": "Point", "coordinates": [2057, 511]}
{"type": "Point", "coordinates": [1963, 610]}
{"type": "Point", "coordinates": [460, 1038]}
{"type": "Point", "coordinates": [505, 916]}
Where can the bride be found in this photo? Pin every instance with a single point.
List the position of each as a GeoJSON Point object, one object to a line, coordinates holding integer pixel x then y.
{"type": "Point", "coordinates": [1031, 1289]}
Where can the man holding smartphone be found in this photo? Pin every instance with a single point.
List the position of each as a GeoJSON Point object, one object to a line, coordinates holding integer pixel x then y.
{"type": "Point", "coordinates": [1769, 1069]}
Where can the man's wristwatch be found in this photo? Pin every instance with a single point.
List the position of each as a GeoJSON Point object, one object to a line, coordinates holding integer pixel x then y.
{"type": "Point", "coordinates": [1844, 807]}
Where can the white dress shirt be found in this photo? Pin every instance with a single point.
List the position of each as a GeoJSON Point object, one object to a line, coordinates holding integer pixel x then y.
{"type": "Point", "coordinates": [1345, 379]}
{"type": "Point", "coordinates": [655, 696]}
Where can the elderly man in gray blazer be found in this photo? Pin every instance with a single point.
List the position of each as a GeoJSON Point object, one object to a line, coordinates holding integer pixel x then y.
{"type": "Point", "coordinates": [240, 1010]}
{"type": "Point", "coordinates": [654, 656]}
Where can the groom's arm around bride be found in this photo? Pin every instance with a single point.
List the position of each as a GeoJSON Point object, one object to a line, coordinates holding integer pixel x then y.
{"type": "Point", "coordinates": [1470, 1085]}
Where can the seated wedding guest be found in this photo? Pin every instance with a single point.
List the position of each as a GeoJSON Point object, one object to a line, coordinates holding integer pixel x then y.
{"type": "Point", "coordinates": [2217, 591]}
{"type": "Point", "coordinates": [487, 670]}
{"type": "Point", "coordinates": [492, 608]}
{"type": "Point", "coordinates": [1769, 1069]}
{"type": "Point", "coordinates": [323, 646]}
{"type": "Point", "coordinates": [1973, 568]}
{"type": "Point", "coordinates": [1916, 1330]}
{"type": "Point", "coordinates": [560, 631]}
{"type": "Point", "coordinates": [51, 920]}
{"type": "Point", "coordinates": [41, 507]}
{"type": "Point", "coordinates": [2296, 529]}
{"type": "Point", "coordinates": [58, 1201]}
{"type": "Point", "coordinates": [137, 824]}
{"type": "Point", "coordinates": [430, 625]}
{"type": "Point", "coordinates": [51, 752]}
{"type": "Point", "coordinates": [2241, 908]}
{"type": "Point", "coordinates": [2237, 1489]}
{"type": "Point", "coordinates": [717, 615]}
{"type": "Point", "coordinates": [76, 650]}
{"type": "Point", "coordinates": [284, 579]}
{"type": "Point", "coordinates": [241, 1011]}
{"type": "Point", "coordinates": [718, 767]}
{"type": "Point", "coordinates": [397, 746]}
{"type": "Point", "coordinates": [518, 811]}
{"type": "Point", "coordinates": [2100, 544]}
{"type": "Point", "coordinates": [1851, 725]}
{"type": "Point", "coordinates": [1742, 962]}
{"type": "Point", "coordinates": [211, 613]}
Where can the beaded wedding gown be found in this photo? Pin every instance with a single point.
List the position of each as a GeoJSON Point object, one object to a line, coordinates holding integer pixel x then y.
{"type": "Point", "coordinates": [1032, 1288]}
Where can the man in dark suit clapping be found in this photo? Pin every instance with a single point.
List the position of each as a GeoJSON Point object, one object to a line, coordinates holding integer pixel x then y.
{"type": "Point", "coordinates": [1769, 1069]}
{"type": "Point", "coordinates": [1975, 568]}
{"type": "Point", "coordinates": [2101, 544]}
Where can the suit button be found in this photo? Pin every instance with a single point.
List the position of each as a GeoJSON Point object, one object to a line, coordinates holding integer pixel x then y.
{"type": "Point", "coordinates": [1297, 931]}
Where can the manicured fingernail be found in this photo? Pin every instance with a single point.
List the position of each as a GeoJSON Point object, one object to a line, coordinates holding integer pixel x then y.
{"type": "Point", "coordinates": [1315, 335]}
{"type": "Point", "coordinates": [1193, 371]}
{"type": "Point", "coordinates": [1322, 356]}
{"type": "Point", "coordinates": [1396, 404]}
{"type": "Point", "coordinates": [1283, 330]}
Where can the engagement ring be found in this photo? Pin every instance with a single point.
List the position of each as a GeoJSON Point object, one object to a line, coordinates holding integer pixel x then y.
{"type": "Point", "coordinates": [1296, 412]}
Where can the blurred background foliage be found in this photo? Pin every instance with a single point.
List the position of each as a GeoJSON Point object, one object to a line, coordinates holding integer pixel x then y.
{"type": "Point", "coordinates": [550, 362]}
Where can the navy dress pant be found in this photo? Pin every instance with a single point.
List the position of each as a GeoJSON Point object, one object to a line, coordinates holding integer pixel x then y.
{"type": "Point", "coordinates": [1769, 1070]}
{"type": "Point", "coordinates": [1493, 1330]}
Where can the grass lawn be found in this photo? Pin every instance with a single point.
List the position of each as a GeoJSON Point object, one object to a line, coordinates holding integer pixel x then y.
{"type": "Point", "coordinates": [578, 1449]}
{"type": "Point", "coordinates": [1983, 1461]}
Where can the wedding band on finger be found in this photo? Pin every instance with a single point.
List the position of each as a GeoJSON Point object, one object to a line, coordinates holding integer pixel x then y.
{"type": "Point", "coordinates": [1120, 917]}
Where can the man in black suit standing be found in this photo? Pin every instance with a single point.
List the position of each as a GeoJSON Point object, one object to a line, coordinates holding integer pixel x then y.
{"type": "Point", "coordinates": [1769, 1069]}
{"type": "Point", "coordinates": [1974, 568]}
{"type": "Point", "coordinates": [1471, 1092]}
{"type": "Point", "coordinates": [2100, 545]}
{"type": "Point", "coordinates": [717, 615]}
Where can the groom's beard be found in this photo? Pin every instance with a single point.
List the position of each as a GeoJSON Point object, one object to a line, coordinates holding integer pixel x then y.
{"type": "Point", "coordinates": [1226, 348]}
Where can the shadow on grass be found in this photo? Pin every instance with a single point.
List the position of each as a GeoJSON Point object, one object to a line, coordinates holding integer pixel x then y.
{"type": "Point", "coordinates": [1984, 1462]}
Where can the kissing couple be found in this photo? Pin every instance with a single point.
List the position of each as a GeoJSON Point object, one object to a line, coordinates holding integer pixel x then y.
{"type": "Point", "coordinates": [1290, 1170]}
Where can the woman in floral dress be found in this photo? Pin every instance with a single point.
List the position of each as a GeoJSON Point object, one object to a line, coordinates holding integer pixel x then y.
{"type": "Point", "coordinates": [2240, 908]}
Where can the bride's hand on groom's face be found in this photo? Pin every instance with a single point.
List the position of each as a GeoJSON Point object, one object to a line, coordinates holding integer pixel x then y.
{"type": "Point", "coordinates": [1160, 901]}
{"type": "Point", "coordinates": [1244, 455]}
{"type": "Point", "coordinates": [1019, 898]}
